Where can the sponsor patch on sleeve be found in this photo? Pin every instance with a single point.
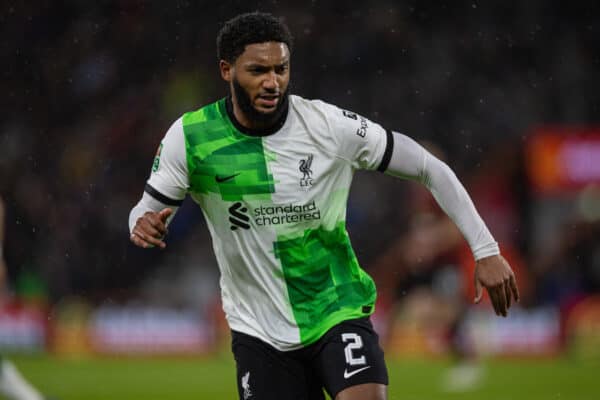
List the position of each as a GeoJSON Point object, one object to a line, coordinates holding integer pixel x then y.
{"type": "Point", "coordinates": [156, 163]}
{"type": "Point", "coordinates": [364, 126]}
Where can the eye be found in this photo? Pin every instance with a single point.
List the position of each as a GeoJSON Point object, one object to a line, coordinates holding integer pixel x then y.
{"type": "Point", "coordinates": [257, 70]}
{"type": "Point", "coordinates": [281, 69]}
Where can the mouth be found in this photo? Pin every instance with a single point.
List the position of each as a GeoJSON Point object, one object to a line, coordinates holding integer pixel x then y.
{"type": "Point", "coordinates": [268, 100]}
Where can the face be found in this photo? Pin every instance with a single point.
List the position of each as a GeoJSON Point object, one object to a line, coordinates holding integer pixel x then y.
{"type": "Point", "coordinates": [259, 80]}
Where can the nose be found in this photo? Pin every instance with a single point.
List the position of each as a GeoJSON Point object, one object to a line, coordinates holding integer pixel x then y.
{"type": "Point", "coordinates": [271, 82]}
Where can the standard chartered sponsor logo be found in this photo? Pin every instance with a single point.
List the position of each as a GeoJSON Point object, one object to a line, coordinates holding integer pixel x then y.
{"type": "Point", "coordinates": [273, 214]}
{"type": "Point", "coordinates": [287, 214]}
{"type": "Point", "coordinates": [238, 217]}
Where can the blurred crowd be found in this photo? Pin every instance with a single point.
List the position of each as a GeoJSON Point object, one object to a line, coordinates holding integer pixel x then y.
{"type": "Point", "coordinates": [89, 88]}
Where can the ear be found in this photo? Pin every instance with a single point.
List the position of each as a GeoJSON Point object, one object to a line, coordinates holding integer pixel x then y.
{"type": "Point", "coordinates": [226, 70]}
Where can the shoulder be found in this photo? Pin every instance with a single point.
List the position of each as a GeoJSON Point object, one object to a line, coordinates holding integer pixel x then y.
{"type": "Point", "coordinates": [334, 115]}
{"type": "Point", "coordinates": [209, 112]}
{"type": "Point", "coordinates": [323, 122]}
{"type": "Point", "coordinates": [175, 131]}
{"type": "Point", "coordinates": [172, 146]}
{"type": "Point", "coordinates": [316, 106]}
{"type": "Point", "coordinates": [337, 121]}
{"type": "Point", "coordinates": [324, 118]}
{"type": "Point", "coordinates": [344, 133]}
{"type": "Point", "coordinates": [206, 124]}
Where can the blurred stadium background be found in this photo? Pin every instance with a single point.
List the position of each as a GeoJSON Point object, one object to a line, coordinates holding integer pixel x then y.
{"type": "Point", "coordinates": [508, 93]}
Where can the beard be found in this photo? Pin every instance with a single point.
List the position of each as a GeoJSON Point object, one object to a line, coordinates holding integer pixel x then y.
{"type": "Point", "coordinates": [260, 118]}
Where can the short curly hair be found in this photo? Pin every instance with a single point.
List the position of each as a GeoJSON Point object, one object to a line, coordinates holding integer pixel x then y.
{"type": "Point", "coordinates": [250, 28]}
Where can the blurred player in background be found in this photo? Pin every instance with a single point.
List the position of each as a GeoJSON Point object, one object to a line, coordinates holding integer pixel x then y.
{"type": "Point", "coordinates": [12, 384]}
{"type": "Point", "coordinates": [272, 172]}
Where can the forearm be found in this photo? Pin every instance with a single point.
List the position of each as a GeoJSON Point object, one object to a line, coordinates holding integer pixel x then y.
{"type": "Point", "coordinates": [148, 204]}
{"type": "Point", "coordinates": [410, 160]}
{"type": "Point", "coordinates": [454, 200]}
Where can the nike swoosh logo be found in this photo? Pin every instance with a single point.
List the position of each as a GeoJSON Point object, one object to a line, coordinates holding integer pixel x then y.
{"type": "Point", "coordinates": [221, 179]}
{"type": "Point", "coordinates": [349, 374]}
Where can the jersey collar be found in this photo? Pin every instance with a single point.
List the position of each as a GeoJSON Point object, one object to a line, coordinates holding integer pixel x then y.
{"type": "Point", "coordinates": [256, 132]}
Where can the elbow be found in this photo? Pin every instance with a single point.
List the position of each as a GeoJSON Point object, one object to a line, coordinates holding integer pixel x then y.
{"type": "Point", "coordinates": [442, 170]}
{"type": "Point", "coordinates": [438, 175]}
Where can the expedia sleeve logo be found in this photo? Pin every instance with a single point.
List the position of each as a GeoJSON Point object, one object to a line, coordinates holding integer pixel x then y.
{"type": "Point", "coordinates": [364, 126]}
{"type": "Point", "coordinates": [362, 131]}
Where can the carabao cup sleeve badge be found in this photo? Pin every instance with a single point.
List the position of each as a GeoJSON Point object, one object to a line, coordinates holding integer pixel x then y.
{"type": "Point", "coordinates": [156, 162]}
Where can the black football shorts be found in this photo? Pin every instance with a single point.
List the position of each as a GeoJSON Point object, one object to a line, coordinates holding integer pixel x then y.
{"type": "Point", "coordinates": [348, 354]}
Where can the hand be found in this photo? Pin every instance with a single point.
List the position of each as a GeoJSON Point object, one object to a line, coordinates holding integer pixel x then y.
{"type": "Point", "coordinates": [497, 277]}
{"type": "Point", "coordinates": [150, 229]}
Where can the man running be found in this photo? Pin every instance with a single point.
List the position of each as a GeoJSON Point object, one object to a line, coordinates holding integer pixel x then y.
{"type": "Point", "coordinates": [271, 172]}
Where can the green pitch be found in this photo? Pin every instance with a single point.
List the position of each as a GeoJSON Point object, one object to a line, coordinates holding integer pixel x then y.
{"type": "Point", "coordinates": [214, 378]}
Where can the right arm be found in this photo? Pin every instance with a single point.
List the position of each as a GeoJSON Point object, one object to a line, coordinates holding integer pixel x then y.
{"type": "Point", "coordinates": [148, 222]}
{"type": "Point", "coordinates": [164, 191]}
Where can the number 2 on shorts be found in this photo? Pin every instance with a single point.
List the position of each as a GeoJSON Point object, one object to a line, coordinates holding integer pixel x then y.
{"type": "Point", "coordinates": [354, 343]}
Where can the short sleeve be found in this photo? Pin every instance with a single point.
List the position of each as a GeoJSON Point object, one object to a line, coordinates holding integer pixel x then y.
{"type": "Point", "coordinates": [359, 140]}
{"type": "Point", "coordinates": [169, 180]}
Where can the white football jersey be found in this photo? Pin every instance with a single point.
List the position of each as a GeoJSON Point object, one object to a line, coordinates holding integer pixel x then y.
{"type": "Point", "coordinates": [275, 205]}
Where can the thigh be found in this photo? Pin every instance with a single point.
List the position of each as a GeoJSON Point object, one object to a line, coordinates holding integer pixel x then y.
{"type": "Point", "coordinates": [365, 391]}
{"type": "Point", "coordinates": [349, 355]}
{"type": "Point", "coordinates": [265, 373]}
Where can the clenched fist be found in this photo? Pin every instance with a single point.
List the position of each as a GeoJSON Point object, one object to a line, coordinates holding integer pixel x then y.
{"type": "Point", "coordinates": [150, 229]}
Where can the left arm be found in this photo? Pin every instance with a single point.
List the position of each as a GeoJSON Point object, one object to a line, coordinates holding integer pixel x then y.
{"type": "Point", "coordinates": [366, 145]}
{"type": "Point", "coordinates": [410, 160]}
